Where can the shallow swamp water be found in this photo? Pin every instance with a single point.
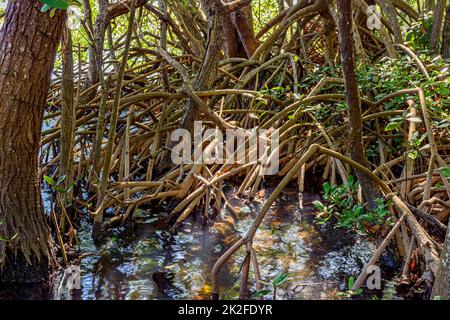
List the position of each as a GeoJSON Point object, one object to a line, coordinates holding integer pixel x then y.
{"type": "Point", "coordinates": [144, 262]}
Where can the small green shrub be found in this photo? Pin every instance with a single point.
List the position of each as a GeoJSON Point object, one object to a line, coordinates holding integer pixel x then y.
{"type": "Point", "coordinates": [341, 202]}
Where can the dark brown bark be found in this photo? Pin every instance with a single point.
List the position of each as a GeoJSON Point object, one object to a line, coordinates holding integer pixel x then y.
{"type": "Point", "coordinates": [329, 33]}
{"type": "Point", "coordinates": [92, 71]}
{"type": "Point", "coordinates": [446, 34]}
{"type": "Point", "coordinates": [171, 22]}
{"type": "Point", "coordinates": [216, 14]}
{"type": "Point", "coordinates": [100, 25]}
{"type": "Point", "coordinates": [106, 14]}
{"type": "Point", "coordinates": [28, 43]}
{"type": "Point", "coordinates": [436, 32]}
{"type": "Point", "coordinates": [163, 42]}
{"type": "Point", "coordinates": [238, 30]}
{"type": "Point", "coordinates": [245, 31]}
{"type": "Point", "coordinates": [230, 44]}
{"type": "Point", "coordinates": [347, 47]}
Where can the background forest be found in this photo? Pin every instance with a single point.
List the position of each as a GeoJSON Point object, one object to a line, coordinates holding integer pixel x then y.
{"type": "Point", "coordinates": [92, 207]}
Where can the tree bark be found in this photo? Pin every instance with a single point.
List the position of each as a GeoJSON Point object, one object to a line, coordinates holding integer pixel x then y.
{"type": "Point", "coordinates": [68, 117]}
{"type": "Point", "coordinates": [357, 153]}
{"type": "Point", "coordinates": [92, 71]}
{"type": "Point", "coordinates": [389, 9]}
{"type": "Point", "coordinates": [215, 13]}
{"type": "Point", "coordinates": [436, 32]}
{"type": "Point", "coordinates": [107, 12]}
{"type": "Point", "coordinates": [446, 34]}
{"type": "Point", "coordinates": [28, 43]}
{"type": "Point", "coordinates": [98, 219]}
{"type": "Point", "coordinates": [243, 26]}
{"type": "Point", "coordinates": [441, 286]}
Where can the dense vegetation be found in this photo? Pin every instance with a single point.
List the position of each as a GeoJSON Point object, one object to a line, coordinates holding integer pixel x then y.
{"type": "Point", "coordinates": [358, 92]}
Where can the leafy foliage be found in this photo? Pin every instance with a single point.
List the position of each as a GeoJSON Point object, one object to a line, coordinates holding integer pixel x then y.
{"type": "Point", "coordinates": [278, 281]}
{"type": "Point", "coordinates": [349, 293]}
{"type": "Point", "coordinates": [58, 4]}
{"type": "Point", "coordinates": [57, 185]}
{"type": "Point", "coordinates": [419, 33]}
{"type": "Point", "coordinates": [342, 203]}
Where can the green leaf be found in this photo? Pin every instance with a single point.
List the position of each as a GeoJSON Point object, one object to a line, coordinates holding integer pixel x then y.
{"type": "Point", "coordinates": [350, 181]}
{"type": "Point", "coordinates": [70, 186]}
{"type": "Point", "coordinates": [445, 171]}
{"type": "Point", "coordinates": [57, 4]}
{"type": "Point", "coordinates": [358, 209]}
{"type": "Point", "coordinates": [280, 279]}
{"type": "Point", "coordinates": [319, 205]}
{"type": "Point", "coordinates": [327, 187]}
{"type": "Point", "coordinates": [414, 154]}
{"type": "Point", "coordinates": [49, 180]}
{"type": "Point", "coordinates": [341, 294]}
{"type": "Point", "coordinates": [45, 8]}
{"type": "Point", "coordinates": [393, 126]}
{"type": "Point", "coordinates": [60, 190]}
{"type": "Point", "coordinates": [262, 293]}
{"type": "Point", "coordinates": [350, 282]}
{"type": "Point", "coordinates": [358, 292]}
{"type": "Point", "coordinates": [443, 90]}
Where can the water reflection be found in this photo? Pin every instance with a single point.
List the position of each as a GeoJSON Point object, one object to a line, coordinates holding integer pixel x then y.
{"type": "Point", "coordinates": [147, 263]}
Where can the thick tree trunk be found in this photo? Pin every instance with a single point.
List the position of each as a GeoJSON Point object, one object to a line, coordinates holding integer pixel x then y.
{"type": "Point", "coordinates": [238, 32]}
{"type": "Point", "coordinates": [68, 117]}
{"type": "Point", "coordinates": [446, 34]}
{"type": "Point", "coordinates": [442, 281]}
{"type": "Point", "coordinates": [357, 153]}
{"type": "Point", "coordinates": [92, 71]}
{"type": "Point", "coordinates": [28, 43]}
{"type": "Point", "coordinates": [329, 33]}
{"type": "Point", "coordinates": [215, 13]}
{"type": "Point", "coordinates": [392, 16]}
{"type": "Point", "coordinates": [245, 31]}
{"type": "Point", "coordinates": [436, 33]}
